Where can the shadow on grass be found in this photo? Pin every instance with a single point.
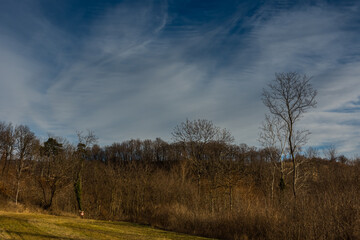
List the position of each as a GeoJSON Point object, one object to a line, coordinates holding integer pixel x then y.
{"type": "Point", "coordinates": [39, 236]}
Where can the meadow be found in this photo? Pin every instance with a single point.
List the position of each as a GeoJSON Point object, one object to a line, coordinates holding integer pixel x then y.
{"type": "Point", "coordinates": [29, 226]}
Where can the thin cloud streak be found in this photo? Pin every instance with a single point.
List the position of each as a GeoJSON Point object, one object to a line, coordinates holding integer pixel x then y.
{"type": "Point", "coordinates": [138, 73]}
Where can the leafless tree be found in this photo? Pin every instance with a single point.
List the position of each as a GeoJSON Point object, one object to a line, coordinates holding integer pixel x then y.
{"type": "Point", "coordinates": [7, 144]}
{"type": "Point", "coordinates": [312, 152]}
{"type": "Point", "coordinates": [83, 148]}
{"type": "Point", "coordinates": [195, 136]}
{"type": "Point", "coordinates": [25, 141]}
{"type": "Point", "coordinates": [288, 97]}
{"type": "Point", "coordinates": [331, 153]}
{"type": "Point", "coordinates": [200, 131]}
{"type": "Point", "coordinates": [87, 140]}
{"type": "Point", "coordinates": [273, 136]}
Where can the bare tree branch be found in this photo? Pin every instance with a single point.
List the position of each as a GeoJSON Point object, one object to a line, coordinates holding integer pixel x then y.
{"type": "Point", "coordinates": [288, 97]}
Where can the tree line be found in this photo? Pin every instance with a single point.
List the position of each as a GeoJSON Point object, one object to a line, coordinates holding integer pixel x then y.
{"type": "Point", "coordinates": [200, 183]}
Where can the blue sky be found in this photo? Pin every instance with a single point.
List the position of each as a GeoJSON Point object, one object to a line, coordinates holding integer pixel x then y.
{"type": "Point", "coordinates": [136, 69]}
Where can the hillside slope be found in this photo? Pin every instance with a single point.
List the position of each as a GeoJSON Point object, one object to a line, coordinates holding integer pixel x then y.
{"type": "Point", "coordinates": [40, 226]}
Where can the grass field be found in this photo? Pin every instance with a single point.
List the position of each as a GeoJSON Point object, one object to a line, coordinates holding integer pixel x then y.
{"type": "Point", "coordinates": [40, 226]}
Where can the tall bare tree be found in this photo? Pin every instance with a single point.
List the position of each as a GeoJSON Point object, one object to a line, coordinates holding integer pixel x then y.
{"type": "Point", "coordinates": [195, 136]}
{"type": "Point", "coordinates": [25, 141]}
{"type": "Point", "coordinates": [273, 137]}
{"type": "Point", "coordinates": [198, 133]}
{"type": "Point", "coordinates": [331, 153]}
{"type": "Point", "coordinates": [288, 97]}
{"type": "Point", "coordinates": [82, 153]}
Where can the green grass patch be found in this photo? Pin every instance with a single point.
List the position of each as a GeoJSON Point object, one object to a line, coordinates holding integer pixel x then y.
{"type": "Point", "coordinates": [40, 226]}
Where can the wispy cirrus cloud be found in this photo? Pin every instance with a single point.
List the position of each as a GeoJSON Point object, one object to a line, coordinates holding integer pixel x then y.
{"type": "Point", "coordinates": [317, 40]}
{"type": "Point", "coordinates": [140, 68]}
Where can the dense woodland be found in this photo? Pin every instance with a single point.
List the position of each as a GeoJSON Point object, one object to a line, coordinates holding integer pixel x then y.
{"type": "Point", "coordinates": [201, 183]}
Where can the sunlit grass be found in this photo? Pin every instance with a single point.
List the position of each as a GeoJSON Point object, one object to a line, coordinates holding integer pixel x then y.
{"type": "Point", "coordinates": [40, 226]}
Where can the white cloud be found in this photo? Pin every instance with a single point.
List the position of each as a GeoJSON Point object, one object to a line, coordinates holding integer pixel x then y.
{"type": "Point", "coordinates": [137, 76]}
{"type": "Point", "coordinates": [16, 94]}
{"type": "Point", "coordinates": [310, 40]}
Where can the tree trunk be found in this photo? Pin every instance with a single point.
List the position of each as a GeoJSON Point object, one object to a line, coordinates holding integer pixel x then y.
{"type": "Point", "coordinates": [273, 184]}
{"type": "Point", "coordinates": [292, 157]}
{"type": "Point", "coordinates": [230, 197]}
{"type": "Point", "coordinates": [198, 184]}
{"type": "Point", "coordinates": [17, 191]}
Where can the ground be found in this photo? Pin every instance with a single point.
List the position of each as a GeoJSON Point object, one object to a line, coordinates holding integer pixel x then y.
{"type": "Point", "coordinates": [40, 226]}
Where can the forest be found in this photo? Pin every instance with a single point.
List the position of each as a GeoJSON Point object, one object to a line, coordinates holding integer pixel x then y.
{"type": "Point", "coordinates": [213, 188]}
{"type": "Point", "coordinates": [200, 183]}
